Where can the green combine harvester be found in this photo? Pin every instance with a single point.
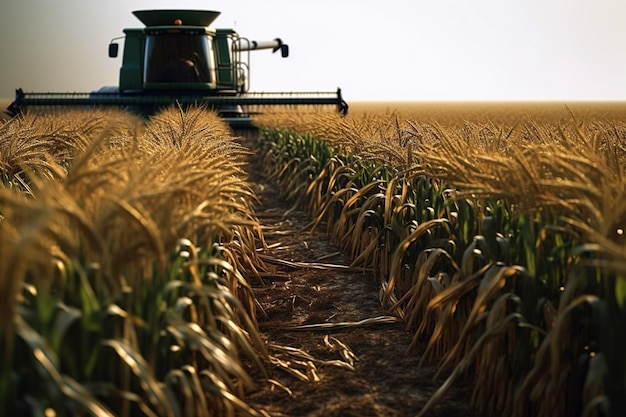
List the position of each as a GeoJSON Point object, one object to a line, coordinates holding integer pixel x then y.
{"type": "Point", "coordinates": [177, 59]}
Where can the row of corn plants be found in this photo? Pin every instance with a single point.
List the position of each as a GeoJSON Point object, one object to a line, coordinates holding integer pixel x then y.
{"type": "Point", "coordinates": [124, 247]}
{"type": "Point", "coordinates": [501, 246]}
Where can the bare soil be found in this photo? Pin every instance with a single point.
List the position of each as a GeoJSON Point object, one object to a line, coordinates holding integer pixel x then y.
{"type": "Point", "coordinates": [309, 283]}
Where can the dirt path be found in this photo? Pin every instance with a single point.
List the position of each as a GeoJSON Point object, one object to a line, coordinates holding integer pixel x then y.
{"type": "Point", "coordinates": [384, 381]}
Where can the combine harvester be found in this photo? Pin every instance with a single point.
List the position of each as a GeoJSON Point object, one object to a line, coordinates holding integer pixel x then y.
{"type": "Point", "coordinates": [177, 59]}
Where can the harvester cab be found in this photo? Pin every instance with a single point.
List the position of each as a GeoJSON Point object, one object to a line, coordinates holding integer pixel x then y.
{"type": "Point", "coordinates": [177, 51]}
{"type": "Point", "coordinates": [176, 58]}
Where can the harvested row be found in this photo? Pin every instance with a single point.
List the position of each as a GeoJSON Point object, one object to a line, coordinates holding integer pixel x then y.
{"type": "Point", "coordinates": [500, 246]}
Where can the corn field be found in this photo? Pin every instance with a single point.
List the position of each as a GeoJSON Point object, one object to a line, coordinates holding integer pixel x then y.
{"type": "Point", "coordinates": [501, 246]}
{"type": "Point", "coordinates": [123, 254]}
{"type": "Point", "coordinates": [129, 250]}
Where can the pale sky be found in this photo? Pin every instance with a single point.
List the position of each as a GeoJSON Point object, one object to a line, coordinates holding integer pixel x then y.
{"type": "Point", "coordinates": [420, 50]}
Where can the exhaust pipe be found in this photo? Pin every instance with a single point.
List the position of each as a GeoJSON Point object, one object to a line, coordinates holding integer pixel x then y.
{"type": "Point", "coordinates": [275, 45]}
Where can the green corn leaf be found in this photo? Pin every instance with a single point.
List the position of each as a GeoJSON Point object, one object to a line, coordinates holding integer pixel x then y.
{"type": "Point", "coordinates": [141, 369]}
{"type": "Point", "coordinates": [65, 317]}
{"type": "Point", "coordinates": [53, 380]}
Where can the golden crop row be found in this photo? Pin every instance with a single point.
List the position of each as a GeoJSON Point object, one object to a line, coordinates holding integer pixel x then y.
{"type": "Point", "coordinates": [578, 166]}
{"type": "Point", "coordinates": [501, 244]}
{"type": "Point", "coordinates": [123, 250]}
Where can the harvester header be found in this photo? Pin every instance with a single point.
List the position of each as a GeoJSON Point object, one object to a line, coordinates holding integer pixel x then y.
{"type": "Point", "coordinates": [177, 58]}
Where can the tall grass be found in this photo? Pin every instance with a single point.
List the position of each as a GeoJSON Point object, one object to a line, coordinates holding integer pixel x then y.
{"type": "Point", "coordinates": [501, 245]}
{"type": "Point", "coordinates": [124, 247]}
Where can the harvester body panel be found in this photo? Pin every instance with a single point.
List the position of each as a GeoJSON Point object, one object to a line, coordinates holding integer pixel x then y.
{"type": "Point", "coordinates": [177, 59]}
{"type": "Point", "coordinates": [131, 72]}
